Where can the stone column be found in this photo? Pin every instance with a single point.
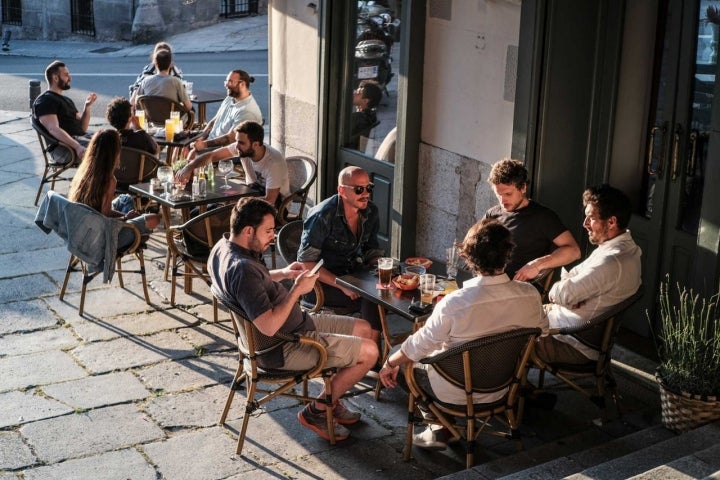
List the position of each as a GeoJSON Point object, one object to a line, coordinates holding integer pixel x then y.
{"type": "Point", "coordinates": [148, 25]}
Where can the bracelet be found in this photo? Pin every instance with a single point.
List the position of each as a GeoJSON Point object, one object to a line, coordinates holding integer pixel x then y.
{"type": "Point", "coordinates": [387, 362]}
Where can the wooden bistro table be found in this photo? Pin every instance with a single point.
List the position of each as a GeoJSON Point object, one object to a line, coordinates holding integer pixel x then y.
{"type": "Point", "coordinates": [185, 202]}
{"type": "Point", "coordinates": [202, 97]}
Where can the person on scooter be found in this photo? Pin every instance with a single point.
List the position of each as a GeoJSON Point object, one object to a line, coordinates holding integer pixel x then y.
{"type": "Point", "coordinates": [366, 98]}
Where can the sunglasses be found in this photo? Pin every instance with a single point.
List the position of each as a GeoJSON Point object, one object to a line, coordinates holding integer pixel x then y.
{"type": "Point", "coordinates": [359, 189]}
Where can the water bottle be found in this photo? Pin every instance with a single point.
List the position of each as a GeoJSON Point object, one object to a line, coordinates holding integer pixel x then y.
{"type": "Point", "coordinates": [195, 184]}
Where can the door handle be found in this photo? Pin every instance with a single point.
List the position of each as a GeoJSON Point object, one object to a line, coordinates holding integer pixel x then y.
{"type": "Point", "coordinates": [651, 150]}
{"type": "Point", "coordinates": [675, 153]}
{"type": "Point", "coordinates": [693, 153]}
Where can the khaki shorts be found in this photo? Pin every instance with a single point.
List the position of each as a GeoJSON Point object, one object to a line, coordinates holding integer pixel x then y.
{"type": "Point", "coordinates": [551, 350]}
{"type": "Point", "coordinates": [332, 331]}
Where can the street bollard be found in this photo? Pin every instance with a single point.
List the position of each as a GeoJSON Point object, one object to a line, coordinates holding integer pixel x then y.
{"type": "Point", "coordinates": [6, 41]}
{"type": "Point", "coordinates": [34, 90]}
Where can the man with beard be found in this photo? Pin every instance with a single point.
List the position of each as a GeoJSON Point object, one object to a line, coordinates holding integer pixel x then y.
{"type": "Point", "coordinates": [239, 106]}
{"type": "Point", "coordinates": [607, 277]}
{"type": "Point", "coordinates": [58, 113]}
{"type": "Point", "coordinates": [262, 164]}
{"type": "Point", "coordinates": [238, 271]}
{"type": "Point", "coordinates": [542, 242]}
{"type": "Point", "coordinates": [343, 231]}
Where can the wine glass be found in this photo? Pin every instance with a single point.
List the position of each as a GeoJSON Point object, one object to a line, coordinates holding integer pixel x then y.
{"type": "Point", "coordinates": [165, 175]}
{"type": "Point", "coordinates": [225, 167]}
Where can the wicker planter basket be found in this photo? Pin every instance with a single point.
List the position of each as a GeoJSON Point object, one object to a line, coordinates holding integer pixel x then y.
{"type": "Point", "coordinates": [682, 411]}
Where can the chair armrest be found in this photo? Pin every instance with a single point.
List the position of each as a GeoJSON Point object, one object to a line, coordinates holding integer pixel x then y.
{"type": "Point", "coordinates": [138, 237]}
{"type": "Point", "coordinates": [614, 310]}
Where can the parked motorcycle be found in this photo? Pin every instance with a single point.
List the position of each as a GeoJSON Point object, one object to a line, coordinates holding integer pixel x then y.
{"type": "Point", "coordinates": [373, 62]}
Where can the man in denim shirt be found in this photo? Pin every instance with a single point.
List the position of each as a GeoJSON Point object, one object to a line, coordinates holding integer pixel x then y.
{"type": "Point", "coordinates": [342, 230]}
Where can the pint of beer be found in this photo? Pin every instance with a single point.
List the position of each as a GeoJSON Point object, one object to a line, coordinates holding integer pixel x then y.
{"type": "Point", "coordinates": [385, 268]}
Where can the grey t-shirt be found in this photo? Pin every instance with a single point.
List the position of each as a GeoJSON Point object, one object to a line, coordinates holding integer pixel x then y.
{"type": "Point", "coordinates": [163, 86]}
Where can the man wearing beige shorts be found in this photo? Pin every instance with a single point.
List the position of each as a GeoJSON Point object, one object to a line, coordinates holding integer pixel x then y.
{"type": "Point", "coordinates": [237, 269]}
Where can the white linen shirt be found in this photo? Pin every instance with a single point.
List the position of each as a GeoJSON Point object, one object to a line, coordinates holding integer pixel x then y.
{"type": "Point", "coordinates": [230, 114]}
{"type": "Point", "coordinates": [608, 276]}
{"type": "Point", "coordinates": [485, 305]}
{"type": "Point", "coordinates": [270, 171]}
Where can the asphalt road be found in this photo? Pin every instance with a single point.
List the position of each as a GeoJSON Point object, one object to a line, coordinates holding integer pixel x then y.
{"type": "Point", "coordinates": [110, 77]}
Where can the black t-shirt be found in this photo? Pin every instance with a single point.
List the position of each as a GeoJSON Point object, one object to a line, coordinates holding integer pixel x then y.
{"type": "Point", "coordinates": [138, 139]}
{"type": "Point", "coordinates": [533, 230]}
{"type": "Point", "coordinates": [50, 103]}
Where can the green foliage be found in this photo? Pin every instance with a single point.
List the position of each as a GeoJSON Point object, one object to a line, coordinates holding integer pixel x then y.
{"type": "Point", "coordinates": [688, 341]}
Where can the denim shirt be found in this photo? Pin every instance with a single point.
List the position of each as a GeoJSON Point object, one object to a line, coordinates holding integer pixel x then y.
{"type": "Point", "coordinates": [327, 235]}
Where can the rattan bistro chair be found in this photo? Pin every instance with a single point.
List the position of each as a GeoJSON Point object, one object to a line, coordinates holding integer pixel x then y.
{"type": "Point", "coordinates": [59, 157]}
{"type": "Point", "coordinates": [252, 345]}
{"type": "Point", "coordinates": [157, 110]}
{"type": "Point", "coordinates": [486, 365]}
{"type": "Point", "coordinates": [288, 243]}
{"type": "Point", "coordinates": [86, 233]}
{"type": "Point", "coordinates": [190, 244]}
{"type": "Point", "coordinates": [599, 334]}
{"type": "Point", "coordinates": [136, 166]}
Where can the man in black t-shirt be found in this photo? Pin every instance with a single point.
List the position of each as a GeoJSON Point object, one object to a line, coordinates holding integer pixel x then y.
{"type": "Point", "coordinates": [58, 113]}
{"type": "Point", "coordinates": [541, 240]}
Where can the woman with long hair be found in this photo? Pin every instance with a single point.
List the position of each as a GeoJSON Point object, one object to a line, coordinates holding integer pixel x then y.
{"type": "Point", "coordinates": [94, 184]}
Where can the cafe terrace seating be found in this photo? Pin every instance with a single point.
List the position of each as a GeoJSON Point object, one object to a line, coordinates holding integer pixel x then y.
{"type": "Point", "coordinates": [157, 109]}
{"type": "Point", "coordinates": [288, 243]}
{"type": "Point", "coordinates": [59, 157]}
{"type": "Point", "coordinates": [136, 166]}
{"type": "Point", "coordinates": [302, 172]}
{"type": "Point", "coordinates": [91, 238]}
{"type": "Point", "coordinates": [599, 334]}
{"type": "Point", "coordinates": [253, 344]}
{"type": "Point", "coordinates": [189, 247]}
{"type": "Point", "coordinates": [486, 365]}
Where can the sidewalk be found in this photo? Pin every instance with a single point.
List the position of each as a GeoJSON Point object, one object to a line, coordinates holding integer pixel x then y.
{"type": "Point", "coordinates": [133, 391]}
{"type": "Point", "coordinates": [231, 35]}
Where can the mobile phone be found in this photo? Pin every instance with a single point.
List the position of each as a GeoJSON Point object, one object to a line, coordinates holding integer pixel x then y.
{"type": "Point", "coordinates": [317, 267]}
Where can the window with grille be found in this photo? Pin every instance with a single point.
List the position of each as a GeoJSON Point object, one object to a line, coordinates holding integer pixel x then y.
{"type": "Point", "coordinates": [238, 8]}
{"type": "Point", "coordinates": [12, 12]}
{"type": "Point", "coordinates": [83, 18]}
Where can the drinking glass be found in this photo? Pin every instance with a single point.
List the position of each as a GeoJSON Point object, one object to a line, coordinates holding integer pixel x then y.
{"type": "Point", "coordinates": [140, 114]}
{"type": "Point", "coordinates": [169, 129]}
{"type": "Point", "coordinates": [165, 175]}
{"type": "Point", "coordinates": [452, 259]}
{"type": "Point", "coordinates": [385, 268]}
{"type": "Point", "coordinates": [175, 116]}
{"type": "Point", "coordinates": [427, 288]}
{"type": "Point", "coordinates": [225, 167]}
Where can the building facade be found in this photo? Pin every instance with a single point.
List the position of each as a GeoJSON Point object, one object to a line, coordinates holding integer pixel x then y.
{"type": "Point", "coordinates": [582, 92]}
{"type": "Point", "coordinates": [141, 21]}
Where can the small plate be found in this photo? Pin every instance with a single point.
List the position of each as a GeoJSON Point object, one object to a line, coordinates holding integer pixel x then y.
{"type": "Point", "coordinates": [422, 261]}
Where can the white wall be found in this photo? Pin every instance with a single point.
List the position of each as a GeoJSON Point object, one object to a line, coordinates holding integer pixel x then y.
{"type": "Point", "coordinates": [294, 76]}
{"type": "Point", "coordinates": [468, 93]}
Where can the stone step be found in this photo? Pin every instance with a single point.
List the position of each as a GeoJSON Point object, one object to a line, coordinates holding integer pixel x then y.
{"type": "Point", "coordinates": [654, 456]}
{"type": "Point", "coordinates": [569, 455]}
{"type": "Point", "coordinates": [702, 464]}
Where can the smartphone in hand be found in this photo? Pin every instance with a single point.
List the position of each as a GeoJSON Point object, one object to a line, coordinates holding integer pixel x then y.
{"type": "Point", "coordinates": [316, 267]}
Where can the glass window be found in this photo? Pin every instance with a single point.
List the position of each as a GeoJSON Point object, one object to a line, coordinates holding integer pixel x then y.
{"type": "Point", "coordinates": [372, 110]}
{"type": "Point", "coordinates": [12, 12]}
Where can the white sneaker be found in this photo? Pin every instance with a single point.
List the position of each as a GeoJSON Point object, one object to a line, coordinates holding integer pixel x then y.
{"type": "Point", "coordinates": [429, 440]}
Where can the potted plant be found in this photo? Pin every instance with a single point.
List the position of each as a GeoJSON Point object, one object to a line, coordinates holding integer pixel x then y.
{"type": "Point", "coordinates": [688, 345]}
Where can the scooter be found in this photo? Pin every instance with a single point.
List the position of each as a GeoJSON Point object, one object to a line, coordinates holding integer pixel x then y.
{"type": "Point", "coordinates": [373, 62]}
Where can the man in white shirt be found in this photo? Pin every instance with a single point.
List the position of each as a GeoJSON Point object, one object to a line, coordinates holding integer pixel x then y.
{"type": "Point", "coordinates": [487, 304]}
{"type": "Point", "coordinates": [608, 276]}
{"type": "Point", "coordinates": [261, 163]}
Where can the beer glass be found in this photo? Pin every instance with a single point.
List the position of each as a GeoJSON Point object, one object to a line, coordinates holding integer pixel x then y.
{"type": "Point", "coordinates": [385, 268]}
{"type": "Point", "coordinates": [427, 288]}
{"type": "Point", "coordinates": [169, 129]}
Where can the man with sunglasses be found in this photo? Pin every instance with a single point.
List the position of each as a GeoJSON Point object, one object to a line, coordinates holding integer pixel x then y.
{"type": "Point", "coordinates": [343, 231]}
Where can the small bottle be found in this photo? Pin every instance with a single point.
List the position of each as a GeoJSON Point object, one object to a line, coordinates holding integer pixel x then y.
{"type": "Point", "coordinates": [195, 184]}
{"type": "Point", "coordinates": [211, 175]}
{"type": "Point", "coordinates": [202, 183]}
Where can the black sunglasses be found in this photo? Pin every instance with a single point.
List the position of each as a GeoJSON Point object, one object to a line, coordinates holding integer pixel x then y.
{"type": "Point", "coordinates": [359, 189]}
